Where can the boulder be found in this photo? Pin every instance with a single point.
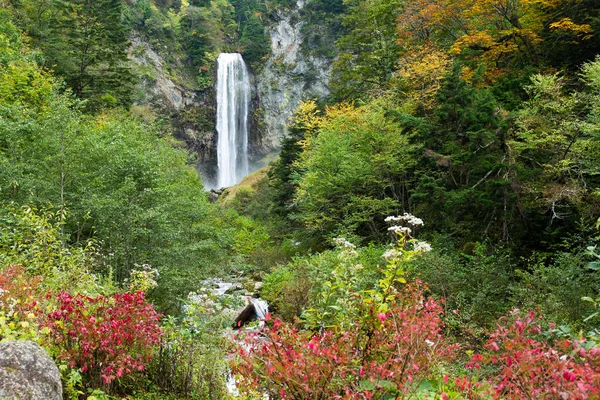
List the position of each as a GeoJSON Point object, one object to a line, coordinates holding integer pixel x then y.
{"type": "Point", "coordinates": [256, 310]}
{"type": "Point", "coordinates": [27, 372]}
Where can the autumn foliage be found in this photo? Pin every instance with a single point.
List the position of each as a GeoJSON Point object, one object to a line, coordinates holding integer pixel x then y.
{"type": "Point", "coordinates": [533, 366]}
{"type": "Point", "coordinates": [385, 353]}
{"type": "Point", "coordinates": [399, 352]}
{"type": "Point", "coordinates": [105, 337]}
{"type": "Point", "coordinates": [498, 33]}
{"type": "Point", "coordinates": [18, 290]}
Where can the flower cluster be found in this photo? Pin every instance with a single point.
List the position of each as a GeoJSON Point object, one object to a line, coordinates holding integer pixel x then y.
{"type": "Point", "coordinates": [422, 247]}
{"type": "Point", "coordinates": [349, 249]}
{"type": "Point", "coordinates": [404, 233]}
{"type": "Point", "coordinates": [142, 280]}
{"type": "Point", "coordinates": [391, 254]}
{"type": "Point", "coordinates": [343, 243]}
{"type": "Point", "coordinates": [401, 221]}
{"type": "Point", "coordinates": [404, 230]}
{"type": "Point", "coordinates": [408, 218]}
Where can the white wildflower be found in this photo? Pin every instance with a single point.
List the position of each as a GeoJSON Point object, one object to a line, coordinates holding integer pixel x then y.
{"type": "Point", "coordinates": [429, 343]}
{"type": "Point", "coordinates": [411, 219]}
{"type": "Point", "coordinates": [422, 247]}
{"type": "Point", "coordinates": [408, 218]}
{"type": "Point", "coordinates": [415, 221]}
{"type": "Point", "coordinates": [342, 242]}
{"type": "Point", "coordinates": [400, 229]}
{"type": "Point", "coordinates": [391, 253]}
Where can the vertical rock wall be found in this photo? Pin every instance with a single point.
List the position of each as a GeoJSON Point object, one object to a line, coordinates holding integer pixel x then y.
{"type": "Point", "coordinates": [166, 91]}
{"type": "Point", "coordinates": [291, 74]}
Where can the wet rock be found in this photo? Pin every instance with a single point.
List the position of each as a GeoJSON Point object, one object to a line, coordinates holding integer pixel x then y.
{"type": "Point", "coordinates": [214, 194]}
{"type": "Point", "coordinates": [27, 372]}
{"type": "Point", "coordinates": [256, 310]}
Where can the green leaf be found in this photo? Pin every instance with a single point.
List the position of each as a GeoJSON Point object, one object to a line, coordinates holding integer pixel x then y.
{"type": "Point", "coordinates": [366, 385]}
{"type": "Point", "coordinates": [588, 299]}
{"type": "Point", "coordinates": [591, 316]}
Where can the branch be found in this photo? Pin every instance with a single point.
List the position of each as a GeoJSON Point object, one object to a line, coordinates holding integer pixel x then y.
{"type": "Point", "coordinates": [484, 178]}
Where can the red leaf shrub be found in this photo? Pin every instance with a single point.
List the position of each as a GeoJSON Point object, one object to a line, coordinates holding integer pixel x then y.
{"type": "Point", "coordinates": [106, 337]}
{"type": "Point", "coordinates": [533, 368]}
{"type": "Point", "coordinates": [386, 353]}
{"type": "Point", "coordinates": [17, 289]}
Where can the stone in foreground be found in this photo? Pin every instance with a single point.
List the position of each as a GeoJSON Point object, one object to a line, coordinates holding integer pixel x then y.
{"type": "Point", "coordinates": [27, 372]}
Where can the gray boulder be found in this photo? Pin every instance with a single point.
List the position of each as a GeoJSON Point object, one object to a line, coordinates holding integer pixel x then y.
{"type": "Point", "coordinates": [27, 372]}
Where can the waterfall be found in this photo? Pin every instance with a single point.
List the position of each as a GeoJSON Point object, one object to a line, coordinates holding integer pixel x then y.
{"type": "Point", "coordinates": [233, 99]}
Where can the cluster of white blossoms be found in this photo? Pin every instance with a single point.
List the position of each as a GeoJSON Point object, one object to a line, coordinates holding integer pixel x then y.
{"type": "Point", "coordinates": [408, 218]}
{"type": "Point", "coordinates": [144, 279]}
{"type": "Point", "coordinates": [391, 254]}
{"type": "Point", "coordinates": [342, 242]}
{"type": "Point", "coordinates": [405, 230]}
{"type": "Point", "coordinates": [400, 229]}
{"type": "Point", "coordinates": [422, 247]}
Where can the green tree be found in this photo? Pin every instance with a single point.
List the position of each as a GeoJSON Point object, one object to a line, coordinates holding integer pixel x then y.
{"type": "Point", "coordinates": [285, 174]}
{"type": "Point", "coordinates": [354, 173]}
{"type": "Point", "coordinates": [85, 42]}
{"type": "Point", "coordinates": [109, 177]}
{"type": "Point", "coordinates": [207, 28]}
{"type": "Point", "coordinates": [556, 149]}
{"type": "Point", "coordinates": [462, 182]}
{"type": "Point", "coordinates": [369, 50]}
{"type": "Point", "coordinates": [254, 40]}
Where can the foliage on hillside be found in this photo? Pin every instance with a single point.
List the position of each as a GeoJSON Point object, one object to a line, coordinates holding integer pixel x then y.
{"type": "Point", "coordinates": [505, 146]}
{"type": "Point", "coordinates": [480, 117]}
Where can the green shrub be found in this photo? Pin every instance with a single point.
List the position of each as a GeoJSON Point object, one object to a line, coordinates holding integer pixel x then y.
{"type": "Point", "coordinates": [287, 291]}
{"type": "Point", "coordinates": [191, 359]}
{"type": "Point", "coordinates": [296, 286]}
{"type": "Point", "coordinates": [477, 284]}
{"type": "Point", "coordinates": [32, 238]}
{"type": "Point", "coordinates": [557, 287]}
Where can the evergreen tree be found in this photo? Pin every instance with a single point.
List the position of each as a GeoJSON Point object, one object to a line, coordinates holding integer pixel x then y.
{"type": "Point", "coordinates": [369, 49]}
{"type": "Point", "coordinates": [87, 46]}
{"type": "Point", "coordinates": [462, 181]}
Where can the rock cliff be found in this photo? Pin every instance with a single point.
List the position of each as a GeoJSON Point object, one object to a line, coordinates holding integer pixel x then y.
{"type": "Point", "coordinates": [291, 74]}
{"type": "Point", "coordinates": [167, 90]}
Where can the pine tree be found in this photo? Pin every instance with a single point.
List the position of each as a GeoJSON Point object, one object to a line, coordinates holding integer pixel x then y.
{"type": "Point", "coordinates": [88, 47]}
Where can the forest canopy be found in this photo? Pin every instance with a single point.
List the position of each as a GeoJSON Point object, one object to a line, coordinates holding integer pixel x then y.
{"type": "Point", "coordinates": [429, 229]}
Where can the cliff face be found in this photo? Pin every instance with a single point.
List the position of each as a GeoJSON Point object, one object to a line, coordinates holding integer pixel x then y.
{"type": "Point", "coordinates": [168, 90]}
{"type": "Point", "coordinates": [291, 74]}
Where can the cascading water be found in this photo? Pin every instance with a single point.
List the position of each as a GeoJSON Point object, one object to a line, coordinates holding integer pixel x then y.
{"type": "Point", "coordinates": [233, 99]}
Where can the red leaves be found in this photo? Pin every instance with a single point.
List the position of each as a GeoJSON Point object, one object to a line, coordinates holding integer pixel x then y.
{"type": "Point", "coordinates": [385, 353]}
{"type": "Point", "coordinates": [107, 338]}
{"type": "Point", "coordinates": [16, 285]}
{"type": "Point", "coordinates": [394, 354]}
{"type": "Point", "coordinates": [534, 367]}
